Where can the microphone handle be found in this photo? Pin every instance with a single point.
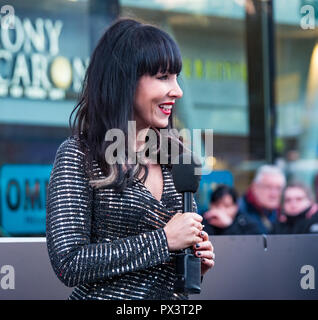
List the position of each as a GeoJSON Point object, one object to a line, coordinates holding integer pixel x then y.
{"type": "Point", "coordinates": [188, 207]}
{"type": "Point", "coordinates": [187, 201]}
{"type": "Point", "coordinates": [188, 267]}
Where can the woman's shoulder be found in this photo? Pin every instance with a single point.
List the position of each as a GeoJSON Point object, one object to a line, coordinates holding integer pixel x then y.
{"type": "Point", "coordinates": [72, 144]}
{"type": "Point", "coordinates": [72, 152]}
{"type": "Point", "coordinates": [71, 156]}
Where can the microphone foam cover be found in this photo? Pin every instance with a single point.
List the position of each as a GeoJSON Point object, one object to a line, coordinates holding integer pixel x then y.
{"type": "Point", "coordinates": [183, 173]}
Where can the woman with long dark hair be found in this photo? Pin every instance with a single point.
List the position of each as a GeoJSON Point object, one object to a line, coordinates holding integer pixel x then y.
{"type": "Point", "coordinates": [113, 227]}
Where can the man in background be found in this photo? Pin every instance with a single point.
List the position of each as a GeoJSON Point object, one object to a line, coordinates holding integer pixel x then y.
{"type": "Point", "coordinates": [262, 200]}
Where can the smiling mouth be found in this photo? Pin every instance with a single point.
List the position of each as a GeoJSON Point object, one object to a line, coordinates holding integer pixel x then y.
{"type": "Point", "coordinates": [166, 107]}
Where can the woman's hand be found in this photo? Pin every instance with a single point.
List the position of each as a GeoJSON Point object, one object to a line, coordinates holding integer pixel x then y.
{"type": "Point", "coordinates": [205, 251]}
{"type": "Point", "coordinates": [183, 230]}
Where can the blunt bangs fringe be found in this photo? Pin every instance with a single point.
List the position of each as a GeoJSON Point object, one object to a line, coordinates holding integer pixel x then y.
{"type": "Point", "coordinates": [156, 52]}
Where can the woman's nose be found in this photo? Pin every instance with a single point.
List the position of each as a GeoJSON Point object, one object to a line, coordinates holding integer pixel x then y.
{"type": "Point", "coordinates": [176, 91]}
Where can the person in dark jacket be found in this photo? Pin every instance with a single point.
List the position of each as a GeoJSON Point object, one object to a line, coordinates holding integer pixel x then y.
{"type": "Point", "coordinates": [224, 218]}
{"type": "Point", "coordinates": [298, 211]}
{"type": "Point", "coordinates": [262, 200]}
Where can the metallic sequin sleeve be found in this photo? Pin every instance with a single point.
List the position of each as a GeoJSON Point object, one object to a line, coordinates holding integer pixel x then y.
{"type": "Point", "coordinates": [76, 259]}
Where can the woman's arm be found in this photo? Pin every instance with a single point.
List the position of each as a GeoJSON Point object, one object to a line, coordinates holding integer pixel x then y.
{"type": "Point", "coordinates": [69, 208]}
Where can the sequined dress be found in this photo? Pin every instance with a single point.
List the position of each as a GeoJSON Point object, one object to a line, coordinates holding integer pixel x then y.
{"type": "Point", "coordinates": [106, 244]}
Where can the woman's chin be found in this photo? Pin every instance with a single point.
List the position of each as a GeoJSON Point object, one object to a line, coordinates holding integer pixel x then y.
{"type": "Point", "coordinates": [161, 124]}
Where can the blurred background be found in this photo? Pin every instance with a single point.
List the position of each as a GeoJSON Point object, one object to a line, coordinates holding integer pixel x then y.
{"type": "Point", "coordinates": [249, 74]}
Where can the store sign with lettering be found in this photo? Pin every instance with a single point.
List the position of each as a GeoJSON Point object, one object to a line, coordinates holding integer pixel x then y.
{"type": "Point", "coordinates": [214, 70]}
{"type": "Point", "coordinates": [23, 198]}
{"type": "Point", "coordinates": [31, 64]}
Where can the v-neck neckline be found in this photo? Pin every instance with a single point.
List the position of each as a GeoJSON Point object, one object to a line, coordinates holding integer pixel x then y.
{"type": "Point", "coordinates": [163, 186]}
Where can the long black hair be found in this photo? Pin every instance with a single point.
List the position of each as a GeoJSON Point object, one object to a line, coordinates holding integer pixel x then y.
{"type": "Point", "coordinates": [127, 50]}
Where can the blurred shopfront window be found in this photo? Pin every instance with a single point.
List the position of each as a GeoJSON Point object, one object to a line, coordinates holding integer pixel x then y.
{"type": "Point", "coordinates": [43, 59]}
{"type": "Point", "coordinates": [226, 80]}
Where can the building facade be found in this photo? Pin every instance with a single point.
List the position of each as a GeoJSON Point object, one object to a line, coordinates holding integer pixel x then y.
{"type": "Point", "coordinates": [43, 58]}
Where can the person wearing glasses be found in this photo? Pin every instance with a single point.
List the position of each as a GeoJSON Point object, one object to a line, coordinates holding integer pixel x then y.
{"type": "Point", "coordinates": [299, 211]}
{"type": "Point", "coordinates": [261, 202]}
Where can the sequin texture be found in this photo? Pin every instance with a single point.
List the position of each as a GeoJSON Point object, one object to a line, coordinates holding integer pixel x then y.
{"type": "Point", "coordinates": [106, 244]}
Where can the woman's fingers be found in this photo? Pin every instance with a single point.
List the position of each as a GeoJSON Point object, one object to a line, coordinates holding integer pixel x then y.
{"type": "Point", "coordinates": [205, 254]}
{"type": "Point", "coordinates": [198, 225]}
{"type": "Point", "coordinates": [194, 216]}
{"type": "Point", "coordinates": [197, 239]}
{"type": "Point", "coordinates": [204, 236]}
{"type": "Point", "coordinates": [208, 262]}
{"type": "Point", "coordinates": [204, 245]}
{"type": "Point", "coordinates": [204, 249]}
{"type": "Point", "coordinates": [183, 230]}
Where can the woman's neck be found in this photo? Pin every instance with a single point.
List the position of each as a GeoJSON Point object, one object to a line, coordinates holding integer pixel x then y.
{"type": "Point", "coordinates": [141, 134]}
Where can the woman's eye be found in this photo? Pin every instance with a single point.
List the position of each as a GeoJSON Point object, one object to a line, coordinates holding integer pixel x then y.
{"type": "Point", "coordinates": [164, 77]}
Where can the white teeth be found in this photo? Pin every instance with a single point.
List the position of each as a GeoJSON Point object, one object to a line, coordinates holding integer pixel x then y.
{"type": "Point", "coordinates": [166, 107]}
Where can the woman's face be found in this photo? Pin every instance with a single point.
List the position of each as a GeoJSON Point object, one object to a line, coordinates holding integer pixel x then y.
{"type": "Point", "coordinates": [295, 201]}
{"type": "Point", "coordinates": [155, 97]}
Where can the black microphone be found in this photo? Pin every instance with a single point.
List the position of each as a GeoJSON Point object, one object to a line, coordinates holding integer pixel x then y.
{"type": "Point", "coordinates": [186, 173]}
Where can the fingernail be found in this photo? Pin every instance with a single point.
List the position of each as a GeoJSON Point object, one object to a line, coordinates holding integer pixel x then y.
{"type": "Point", "coordinates": [197, 245]}
{"type": "Point", "coordinates": [203, 259]}
{"type": "Point", "coordinates": [199, 253]}
{"type": "Point", "coordinates": [202, 233]}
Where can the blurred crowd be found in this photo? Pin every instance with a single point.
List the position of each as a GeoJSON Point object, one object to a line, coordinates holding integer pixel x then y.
{"type": "Point", "coordinates": [269, 206]}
